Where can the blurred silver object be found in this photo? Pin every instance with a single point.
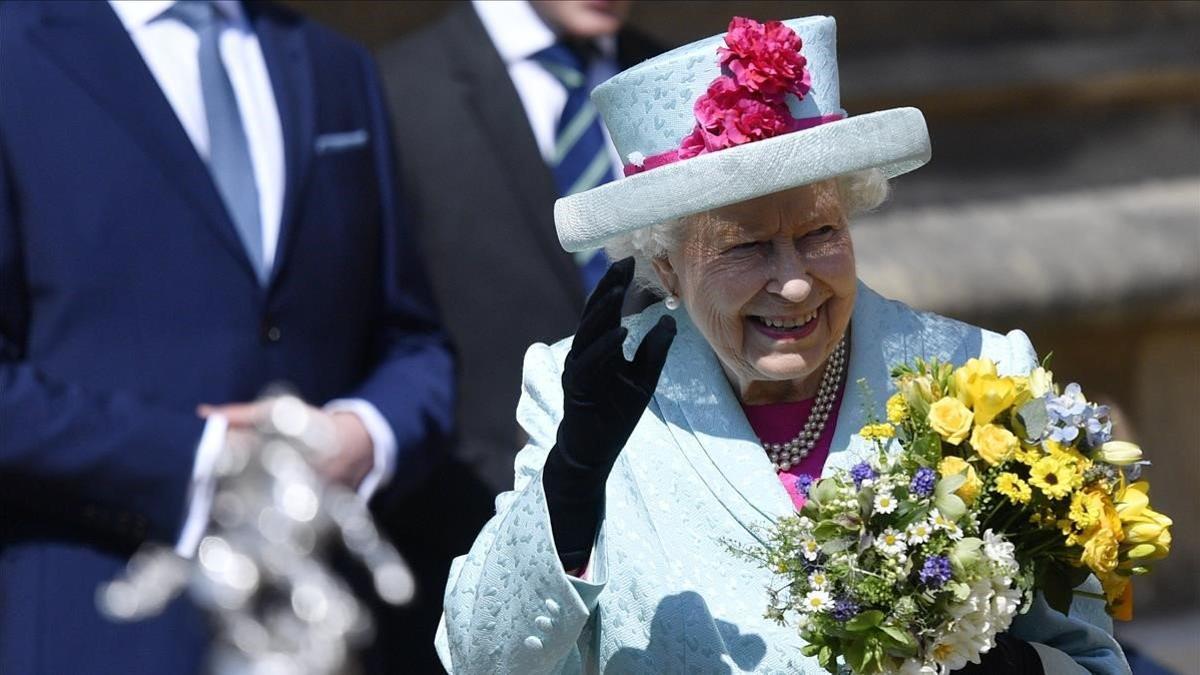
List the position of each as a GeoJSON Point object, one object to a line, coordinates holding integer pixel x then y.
{"type": "Point", "coordinates": [261, 572]}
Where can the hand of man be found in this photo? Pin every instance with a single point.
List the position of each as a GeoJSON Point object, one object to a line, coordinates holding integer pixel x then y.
{"type": "Point", "coordinates": [354, 454]}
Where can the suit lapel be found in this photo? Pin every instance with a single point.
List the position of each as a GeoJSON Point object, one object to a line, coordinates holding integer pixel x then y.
{"type": "Point", "coordinates": [493, 100]}
{"type": "Point", "coordinates": [89, 43]}
{"type": "Point", "coordinates": [285, 52]}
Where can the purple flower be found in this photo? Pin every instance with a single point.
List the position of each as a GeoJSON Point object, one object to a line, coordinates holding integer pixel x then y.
{"type": "Point", "coordinates": [845, 609]}
{"type": "Point", "coordinates": [936, 571]}
{"type": "Point", "coordinates": [922, 482]}
{"type": "Point", "coordinates": [803, 483]}
{"type": "Point", "coordinates": [860, 472]}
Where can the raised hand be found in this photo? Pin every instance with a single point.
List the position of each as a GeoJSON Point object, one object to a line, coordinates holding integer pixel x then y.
{"type": "Point", "coordinates": [604, 396]}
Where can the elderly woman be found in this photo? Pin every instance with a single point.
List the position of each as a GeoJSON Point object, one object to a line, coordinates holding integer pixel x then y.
{"type": "Point", "coordinates": [655, 442]}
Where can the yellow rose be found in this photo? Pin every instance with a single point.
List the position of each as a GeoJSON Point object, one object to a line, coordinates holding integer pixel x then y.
{"type": "Point", "coordinates": [1100, 552]}
{"type": "Point", "coordinates": [952, 466]}
{"type": "Point", "coordinates": [1089, 509]}
{"type": "Point", "coordinates": [897, 409]}
{"type": "Point", "coordinates": [994, 444]}
{"type": "Point", "coordinates": [950, 419]}
{"type": "Point", "coordinates": [991, 396]}
{"type": "Point", "coordinates": [966, 375]}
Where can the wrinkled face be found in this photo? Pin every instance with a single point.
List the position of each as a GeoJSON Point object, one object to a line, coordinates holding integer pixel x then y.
{"type": "Point", "coordinates": [770, 283]}
{"type": "Point", "coordinates": [583, 19]}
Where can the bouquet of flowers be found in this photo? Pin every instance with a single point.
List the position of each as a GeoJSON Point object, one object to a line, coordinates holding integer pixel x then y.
{"type": "Point", "coordinates": [983, 489]}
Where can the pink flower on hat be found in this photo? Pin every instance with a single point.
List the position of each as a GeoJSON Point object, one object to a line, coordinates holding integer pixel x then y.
{"type": "Point", "coordinates": [765, 58]}
{"type": "Point", "coordinates": [728, 115]}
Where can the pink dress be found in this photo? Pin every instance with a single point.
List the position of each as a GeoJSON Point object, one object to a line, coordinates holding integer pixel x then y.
{"type": "Point", "coordinates": [780, 423]}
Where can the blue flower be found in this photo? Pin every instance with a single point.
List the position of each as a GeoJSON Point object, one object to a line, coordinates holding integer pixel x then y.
{"type": "Point", "coordinates": [922, 482]}
{"type": "Point", "coordinates": [860, 472]}
{"type": "Point", "coordinates": [845, 609]}
{"type": "Point", "coordinates": [803, 483]}
{"type": "Point", "coordinates": [936, 571]}
{"type": "Point", "coordinates": [1098, 425]}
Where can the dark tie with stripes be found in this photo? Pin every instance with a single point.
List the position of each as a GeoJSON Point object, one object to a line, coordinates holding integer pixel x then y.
{"type": "Point", "coordinates": [581, 160]}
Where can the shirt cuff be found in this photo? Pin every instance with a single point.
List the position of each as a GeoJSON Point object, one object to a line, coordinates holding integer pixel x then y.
{"type": "Point", "coordinates": [383, 440]}
{"type": "Point", "coordinates": [200, 491]}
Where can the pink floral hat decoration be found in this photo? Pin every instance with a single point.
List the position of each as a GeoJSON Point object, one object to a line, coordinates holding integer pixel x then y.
{"type": "Point", "coordinates": [730, 118]}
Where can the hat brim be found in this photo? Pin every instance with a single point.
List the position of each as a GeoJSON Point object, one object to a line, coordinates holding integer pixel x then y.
{"type": "Point", "coordinates": [895, 141]}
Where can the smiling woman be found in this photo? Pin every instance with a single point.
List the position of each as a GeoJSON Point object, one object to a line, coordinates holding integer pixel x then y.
{"type": "Point", "coordinates": [770, 282]}
{"type": "Point", "coordinates": [660, 443]}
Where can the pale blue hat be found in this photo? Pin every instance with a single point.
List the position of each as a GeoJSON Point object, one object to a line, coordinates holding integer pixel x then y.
{"type": "Point", "coordinates": [648, 110]}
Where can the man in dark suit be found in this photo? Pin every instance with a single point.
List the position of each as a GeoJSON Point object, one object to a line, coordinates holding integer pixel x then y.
{"type": "Point", "coordinates": [196, 200]}
{"type": "Point", "coordinates": [492, 124]}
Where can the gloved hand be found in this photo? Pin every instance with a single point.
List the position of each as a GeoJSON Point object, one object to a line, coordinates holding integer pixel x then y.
{"type": "Point", "coordinates": [1010, 656]}
{"type": "Point", "coordinates": [604, 396]}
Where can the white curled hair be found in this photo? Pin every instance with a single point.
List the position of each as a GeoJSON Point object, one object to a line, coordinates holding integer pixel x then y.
{"type": "Point", "coordinates": [859, 192]}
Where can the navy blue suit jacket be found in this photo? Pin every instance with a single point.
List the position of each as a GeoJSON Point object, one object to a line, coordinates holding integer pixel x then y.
{"type": "Point", "coordinates": [126, 299]}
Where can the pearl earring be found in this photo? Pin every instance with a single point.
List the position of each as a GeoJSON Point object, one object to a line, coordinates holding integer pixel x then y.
{"type": "Point", "coordinates": [672, 302]}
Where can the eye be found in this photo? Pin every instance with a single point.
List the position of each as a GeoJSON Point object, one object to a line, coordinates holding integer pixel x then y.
{"type": "Point", "coordinates": [821, 232]}
{"type": "Point", "coordinates": [744, 247]}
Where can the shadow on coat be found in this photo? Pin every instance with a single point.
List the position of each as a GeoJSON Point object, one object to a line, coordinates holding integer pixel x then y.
{"type": "Point", "coordinates": [686, 638]}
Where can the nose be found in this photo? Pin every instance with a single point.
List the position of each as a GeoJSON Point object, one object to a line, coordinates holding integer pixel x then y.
{"type": "Point", "coordinates": [789, 276]}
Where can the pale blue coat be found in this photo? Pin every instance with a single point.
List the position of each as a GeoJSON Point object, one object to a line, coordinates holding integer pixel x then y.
{"type": "Point", "coordinates": [665, 595]}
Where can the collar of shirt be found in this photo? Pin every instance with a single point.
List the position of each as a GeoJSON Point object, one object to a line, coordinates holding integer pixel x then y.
{"type": "Point", "coordinates": [137, 13]}
{"type": "Point", "coordinates": [518, 32]}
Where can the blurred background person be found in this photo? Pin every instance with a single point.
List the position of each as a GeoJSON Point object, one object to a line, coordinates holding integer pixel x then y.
{"type": "Point", "coordinates": [196, 201]}
{"type": "Point", "coordinates": [493, 123]}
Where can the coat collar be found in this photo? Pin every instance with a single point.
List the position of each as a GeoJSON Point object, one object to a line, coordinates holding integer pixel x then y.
{"type": "Point", "coordinates": [715, 440]}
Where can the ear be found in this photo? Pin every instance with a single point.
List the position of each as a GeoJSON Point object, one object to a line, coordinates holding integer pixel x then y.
{"type": "Point", "coordinates": [666, 274]}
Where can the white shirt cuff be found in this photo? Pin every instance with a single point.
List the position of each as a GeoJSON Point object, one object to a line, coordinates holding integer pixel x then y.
{"type": "Point", "coordinates": [382, 439]}
{"type": "Point", "coordinates": [200, 491]}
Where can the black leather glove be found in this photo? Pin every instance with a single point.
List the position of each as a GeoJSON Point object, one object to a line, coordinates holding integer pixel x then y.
{"type": "Point", "coordinates": [604, 396]}
{"type": "Point", "coordinates": [1010, 656]}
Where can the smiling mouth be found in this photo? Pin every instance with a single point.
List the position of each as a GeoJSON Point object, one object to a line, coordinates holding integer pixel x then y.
{"type": "Point", "coordinates": [787, 327]}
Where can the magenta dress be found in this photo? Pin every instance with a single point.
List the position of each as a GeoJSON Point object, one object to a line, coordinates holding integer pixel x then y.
{"type": "Point", "coordinates": [780, 423]}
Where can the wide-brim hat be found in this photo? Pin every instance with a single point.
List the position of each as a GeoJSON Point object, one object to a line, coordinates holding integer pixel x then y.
{"type": "Point", "coordinates": [730, 118]}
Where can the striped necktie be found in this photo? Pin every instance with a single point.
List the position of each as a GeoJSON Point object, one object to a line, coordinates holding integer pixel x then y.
{"type": "Point", "coordinates": [229, 149]}
{"type": "Point", "coordinates": [581, 160]}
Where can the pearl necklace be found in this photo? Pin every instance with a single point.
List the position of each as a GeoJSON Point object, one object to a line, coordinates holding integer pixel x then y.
{"type": "Point", "coordinates": [786, 455]}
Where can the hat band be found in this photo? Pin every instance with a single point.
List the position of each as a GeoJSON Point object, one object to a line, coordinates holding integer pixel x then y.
{"type": "Point", "coordinates": [672, 156]}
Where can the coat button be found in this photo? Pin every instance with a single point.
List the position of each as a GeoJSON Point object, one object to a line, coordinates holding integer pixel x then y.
{"type": "Point", "coordinates": [533, 643]}
{"type": "Point", "coordinates": [270, 331]}
{"type": "Point", "coordinates": [552, 607]}
{"type": "Point", "coordinates": [544, 622]}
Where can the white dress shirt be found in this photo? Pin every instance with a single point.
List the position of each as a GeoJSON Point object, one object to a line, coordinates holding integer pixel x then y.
{"type": "Point", "coordinates": [169, 48]}
{"type": "Point", "coordinates": [518, 33]}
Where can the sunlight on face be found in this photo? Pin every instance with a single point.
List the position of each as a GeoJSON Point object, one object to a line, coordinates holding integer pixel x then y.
{"type": "Point", "coordinates": [770, 283]}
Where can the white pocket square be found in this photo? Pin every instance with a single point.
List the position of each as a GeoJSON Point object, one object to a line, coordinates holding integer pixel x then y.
{"type": "Point", "coordinates": [341, 140]}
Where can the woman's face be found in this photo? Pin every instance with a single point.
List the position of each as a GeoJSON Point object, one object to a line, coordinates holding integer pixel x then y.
{"type": "Point", "coordinates": [770, 283]}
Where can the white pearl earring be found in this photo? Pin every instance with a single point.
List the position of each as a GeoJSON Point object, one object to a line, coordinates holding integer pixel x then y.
{"type": "Point", "coordinates": [672, 302]}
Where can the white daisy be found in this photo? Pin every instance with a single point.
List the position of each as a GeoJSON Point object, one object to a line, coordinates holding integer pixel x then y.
{"type": "Point", "coordinates": [818, 581]}
{"type": "Point", "coordinates": [941, 522]}
{"type": "Point", "coordinates": [919, 532]}
{"type": "Point", "coordinates": [885, 502]}
{"type": "Point", "coordinates": [810, 548]}
{"type": "Point", "coordinates": [817, 601]}
{"type": "Point", "coordinates": [891, 542]}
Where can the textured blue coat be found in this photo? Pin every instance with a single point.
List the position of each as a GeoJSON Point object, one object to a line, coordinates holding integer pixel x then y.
{"type": "Point", "coordinates": [665, 595]}
{"type": "Point", "coordinates": [126, 299]}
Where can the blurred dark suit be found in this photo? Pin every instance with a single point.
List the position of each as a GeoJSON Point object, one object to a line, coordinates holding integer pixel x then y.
{"type": "Point", "coordinates": [127, 298]}
{"type": "Point", "coordinates": [483, 201]}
